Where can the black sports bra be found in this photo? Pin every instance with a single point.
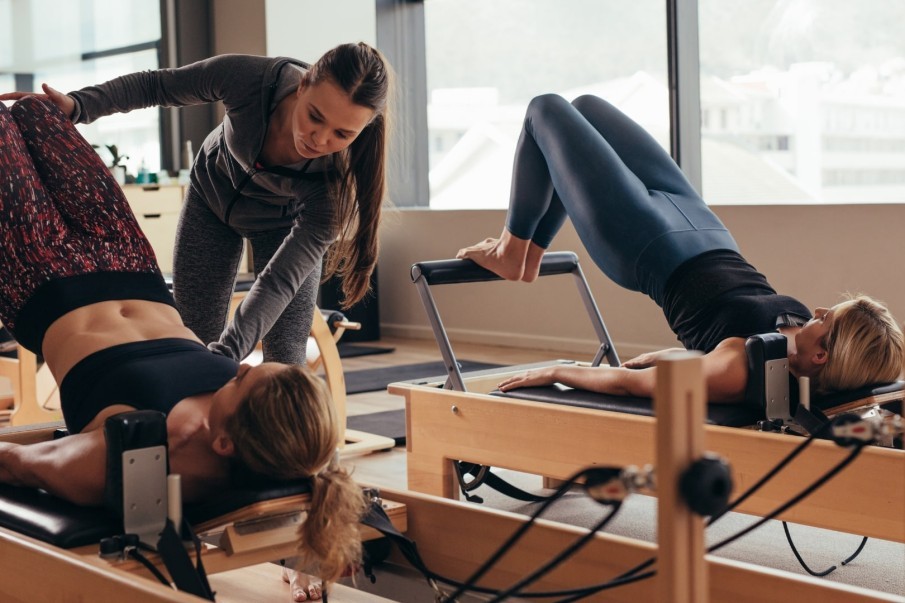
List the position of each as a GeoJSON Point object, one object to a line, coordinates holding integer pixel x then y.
{"type": "Point", "coordinates": [147, 375]}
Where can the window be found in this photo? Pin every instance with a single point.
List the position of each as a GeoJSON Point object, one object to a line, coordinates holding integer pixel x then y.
{"type": "Point", "coordinates": [811, 99]}
{"type": "Point", "coordinates": [487, 59]}
{"type": "Point", "coordinates": [69, 45]}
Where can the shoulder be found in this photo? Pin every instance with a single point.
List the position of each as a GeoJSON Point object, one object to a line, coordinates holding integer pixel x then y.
{"type": "Point", "coordinates": [726, 370]}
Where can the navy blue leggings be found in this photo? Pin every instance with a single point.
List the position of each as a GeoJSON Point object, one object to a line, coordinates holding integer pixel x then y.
{"type": "Point", "coordinates": [634, 210]}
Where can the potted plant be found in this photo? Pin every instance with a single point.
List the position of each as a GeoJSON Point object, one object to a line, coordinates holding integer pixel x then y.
{"type": "Point", "coordinates": [118, 171]}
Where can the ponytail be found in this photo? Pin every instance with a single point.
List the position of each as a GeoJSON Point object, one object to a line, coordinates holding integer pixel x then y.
{"type": "Point", "coordinates": [330, 536]}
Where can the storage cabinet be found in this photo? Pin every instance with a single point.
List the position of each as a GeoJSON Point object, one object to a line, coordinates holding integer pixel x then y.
{"type": "Point", "coordinates": [157, 210]}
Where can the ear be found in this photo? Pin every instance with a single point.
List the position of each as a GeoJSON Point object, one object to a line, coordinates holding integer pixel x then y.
{"type": "Point", "coordinates": [820, 357]}
{"type": "Point", "coordinates": [223, 445]}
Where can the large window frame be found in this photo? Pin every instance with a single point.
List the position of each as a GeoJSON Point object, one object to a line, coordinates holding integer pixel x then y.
{"type": "Point", "coordinates": [401, 34]}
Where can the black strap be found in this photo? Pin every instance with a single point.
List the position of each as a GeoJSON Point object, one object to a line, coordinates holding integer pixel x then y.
{"type": "Point", "coordinates": [484, 476]}
{"type": "Point", "coordinates": [187, 577]}
{"type": "Point", "coordinates": [375, 517]}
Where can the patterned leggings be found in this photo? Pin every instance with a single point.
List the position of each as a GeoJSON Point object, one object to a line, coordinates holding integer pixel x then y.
{"type": "Point", "coordinates": [61, 214]}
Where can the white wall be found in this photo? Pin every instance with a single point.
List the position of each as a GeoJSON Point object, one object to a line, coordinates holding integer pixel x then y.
{"type": "Point", "coordinates": [305, 29]}
{"type": "Point", "coordinates": [814, 253]}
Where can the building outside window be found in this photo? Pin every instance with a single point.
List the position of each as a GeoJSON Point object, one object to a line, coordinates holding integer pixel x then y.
{"type": "Point", "coordinates": [487, 59]}
{"type": "Point", "coordinates": [802, 101]}
{"type": "Point", "coordinates": [69, 45]}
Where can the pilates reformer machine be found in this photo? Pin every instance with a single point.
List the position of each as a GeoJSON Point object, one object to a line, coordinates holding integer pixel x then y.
{"type": "Point", "coordinates": [53, 551]}
{"type": "Point", "coordinates": [458, 423]}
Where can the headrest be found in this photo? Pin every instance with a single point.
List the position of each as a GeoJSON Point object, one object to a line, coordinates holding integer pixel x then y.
{"type": "Point", "coordinates": [887, 395]}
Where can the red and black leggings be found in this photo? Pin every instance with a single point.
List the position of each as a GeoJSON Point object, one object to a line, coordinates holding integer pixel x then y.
{"type": "Point", "coordinates": [67, 235]}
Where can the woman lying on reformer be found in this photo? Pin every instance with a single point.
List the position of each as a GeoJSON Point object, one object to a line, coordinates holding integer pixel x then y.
{"type": "Point", "coordinates": [648, 230]}
{"type": "Point", "coordinates": [79, 284]}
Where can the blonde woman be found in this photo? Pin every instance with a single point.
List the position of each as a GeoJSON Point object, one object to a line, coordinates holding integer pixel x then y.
{"type": "Point", "coordinates": [648, 230]}
{"type": "Point", "coordinates": [79, 284]}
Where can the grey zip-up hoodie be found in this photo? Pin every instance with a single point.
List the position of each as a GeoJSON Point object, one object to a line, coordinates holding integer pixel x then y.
{"type": "Point", "coordinates": [250, 87]}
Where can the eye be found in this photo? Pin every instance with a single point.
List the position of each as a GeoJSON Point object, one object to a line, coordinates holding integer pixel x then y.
{"type": "Point", "coordinates": [315, 118]}
{"type": "Point", "coordinates": [342, 135]}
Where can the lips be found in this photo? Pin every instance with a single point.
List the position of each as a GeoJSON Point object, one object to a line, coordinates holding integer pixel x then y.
{"type": "Point", "coordinates": [308, 148]}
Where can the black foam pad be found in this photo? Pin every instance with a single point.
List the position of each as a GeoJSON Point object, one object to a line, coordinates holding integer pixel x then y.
{"type": "Point", "coordinates": [730, 415]}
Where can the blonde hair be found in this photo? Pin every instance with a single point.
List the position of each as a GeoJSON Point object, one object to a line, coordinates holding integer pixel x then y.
{"type": "Point", "coordinates": [865, 346]}
{"type": "Point", "coordinates": [287, 429]}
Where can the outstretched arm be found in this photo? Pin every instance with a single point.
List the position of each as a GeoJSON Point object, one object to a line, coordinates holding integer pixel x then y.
{"type": "Point", "coordinates": [725, 372]}
{"type": "Point", "coordinates": [604, 379]}
{"type": "Point", "coordinates": [648, 358]}
{"type": "Point", "coordinates": [73, 468]}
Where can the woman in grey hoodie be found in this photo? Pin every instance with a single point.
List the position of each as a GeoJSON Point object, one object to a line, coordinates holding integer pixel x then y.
{"type": "Point", "coordinates": [297, 167]}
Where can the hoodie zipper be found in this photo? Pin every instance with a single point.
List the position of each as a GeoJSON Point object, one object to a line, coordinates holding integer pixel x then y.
{"type": "Point", "coordinates": [242, 185]}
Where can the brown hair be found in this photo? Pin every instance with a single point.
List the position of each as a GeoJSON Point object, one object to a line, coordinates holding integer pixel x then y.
{"type": "Point", "coordinates": [287, 429]}
{"type": "Point", "coordinates": [865, 346]}
{"type": "Point", "coordinates": [363, 73]}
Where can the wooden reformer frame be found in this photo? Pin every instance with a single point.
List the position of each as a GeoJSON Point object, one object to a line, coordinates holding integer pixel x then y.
{"type": "Point", "coordinates": [451, 535]}
{"type": "Point", "coordinates": [457, 420]}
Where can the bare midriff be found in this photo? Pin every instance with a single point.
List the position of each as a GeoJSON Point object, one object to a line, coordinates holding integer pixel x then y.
{"type": "Point", "coordinates": [95, 327]}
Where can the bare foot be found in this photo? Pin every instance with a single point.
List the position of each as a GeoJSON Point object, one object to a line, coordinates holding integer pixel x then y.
{"type": "Point", "coordinates": [532, 262]}
{"type": "Point", "coordinates": [504, 256]}
{"type": "Point", "coordinates": [300, 586]}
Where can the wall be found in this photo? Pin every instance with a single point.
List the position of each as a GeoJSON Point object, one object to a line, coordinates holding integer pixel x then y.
{"type": "Point", "coordinates": [305, 29]}
{"type": "Point", "coordinates": [814, 253]}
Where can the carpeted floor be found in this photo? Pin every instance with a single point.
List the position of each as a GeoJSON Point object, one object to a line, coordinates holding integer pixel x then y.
{"type": "Point", "coordinates": [351, 350]}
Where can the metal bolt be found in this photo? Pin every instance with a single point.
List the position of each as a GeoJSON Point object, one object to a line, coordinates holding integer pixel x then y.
{"type": "Point", "coordinates": [454, 409]}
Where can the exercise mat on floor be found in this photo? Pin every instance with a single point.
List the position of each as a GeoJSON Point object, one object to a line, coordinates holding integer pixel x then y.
{"type": "Point", "coordinates": [372, 380]}
{"type": "Point", "coordinates": [387, 423]}
{"type": "Point", "coordinates": [350, 350]}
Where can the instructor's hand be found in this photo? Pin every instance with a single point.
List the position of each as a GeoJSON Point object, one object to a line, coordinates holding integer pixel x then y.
{"type": "Point", "coordinates": [65, 102]}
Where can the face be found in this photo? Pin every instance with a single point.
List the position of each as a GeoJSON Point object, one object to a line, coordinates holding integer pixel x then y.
{"type": "Point", "coordinates": [810, 341]}
{"type": "Point", "coordinates": [325, 120]}
{"type": "Point", "coordinates": [227, 399]}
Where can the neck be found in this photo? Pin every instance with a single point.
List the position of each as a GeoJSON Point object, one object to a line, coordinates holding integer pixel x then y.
{"type": "Point", "coordinates": [190, 449]}
{"type": "Point", "coordinates": [278, 148]}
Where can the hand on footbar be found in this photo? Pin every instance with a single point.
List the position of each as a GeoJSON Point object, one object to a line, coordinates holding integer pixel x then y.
{"type": "Point", "coordinates": [65, 102]}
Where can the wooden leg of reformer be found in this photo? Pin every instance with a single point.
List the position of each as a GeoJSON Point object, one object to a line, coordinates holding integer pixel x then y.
{"type": "Point", "coordinates": [354, 442]}
{"type": "Point", "coordinates": [679, 400]}
{"type": "Point", "coordinates": [34, 390]}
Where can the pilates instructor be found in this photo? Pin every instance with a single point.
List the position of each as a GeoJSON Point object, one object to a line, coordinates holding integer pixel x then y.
{"type": "Point", "coordinates": [297, 167]}
{"type": "Point", "coordinates": [648, 230]}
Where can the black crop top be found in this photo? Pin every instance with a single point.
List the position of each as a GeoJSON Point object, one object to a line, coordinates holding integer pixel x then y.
{"type": "Point", "coordinates": [147, 375]}
{"type": "Point", "coordinates": [718, 295]}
